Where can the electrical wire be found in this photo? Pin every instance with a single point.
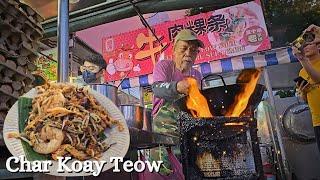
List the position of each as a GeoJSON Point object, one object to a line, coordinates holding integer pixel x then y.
{"type": "Point", "coordinates": [152, 16]}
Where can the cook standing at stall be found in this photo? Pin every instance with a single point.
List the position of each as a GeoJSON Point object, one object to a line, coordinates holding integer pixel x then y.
{"type": "Point", "coordinates": [169, 85]}
{"type": "Point", "coordinates": [169, 80]}
{"type": "Point", "coordinates": [92, 70]}
{"type": "Point", "coordinates": [309, 57]}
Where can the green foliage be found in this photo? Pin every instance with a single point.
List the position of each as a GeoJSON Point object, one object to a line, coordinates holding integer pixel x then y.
{"type": "Point", "coordinates": [286, 19]}
{"type": "Point", "coordinates": [285, 93]}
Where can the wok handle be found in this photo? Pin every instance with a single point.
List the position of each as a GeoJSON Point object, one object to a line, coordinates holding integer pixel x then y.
{"type": "Point", "coordinates": [213, 75]}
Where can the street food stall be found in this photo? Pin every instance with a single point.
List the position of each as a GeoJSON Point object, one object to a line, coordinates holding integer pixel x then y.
{"type": "Point", "coordinates": [235, 37]}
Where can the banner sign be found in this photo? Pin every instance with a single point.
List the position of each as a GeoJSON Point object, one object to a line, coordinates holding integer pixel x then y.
{"type": "Point", "coordinates": [227, 32]}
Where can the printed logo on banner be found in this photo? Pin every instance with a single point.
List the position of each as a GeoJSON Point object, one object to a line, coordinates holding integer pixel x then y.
{"type": "Point", "coordinates": [227, 32]}
{"type": "Point", "coordinates": [109, 45]}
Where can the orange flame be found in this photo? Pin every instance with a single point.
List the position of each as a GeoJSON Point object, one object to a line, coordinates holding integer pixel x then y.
{"type": "Point", "coordinates": [248, 79]}
{"type": "Point", "coordinates": [196, 102]}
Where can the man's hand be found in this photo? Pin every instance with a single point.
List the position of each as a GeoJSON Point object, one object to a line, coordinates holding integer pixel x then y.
{"type": "Point", "coordinates": [183, 87]}
{"type": "Point", "coordinates": [312, 28]}
{"type": "Point", "coordinates": [303, 88]}
{"type": "Point", "coordinates": [316, 31]}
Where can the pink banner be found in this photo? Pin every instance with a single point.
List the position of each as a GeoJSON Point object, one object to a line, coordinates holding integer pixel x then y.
{"type": "Point", "coordinates": [226, 32]}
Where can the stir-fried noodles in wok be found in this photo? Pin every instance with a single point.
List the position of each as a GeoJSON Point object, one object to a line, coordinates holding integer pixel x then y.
{"type": "Point", "coordinates": [67, 121]}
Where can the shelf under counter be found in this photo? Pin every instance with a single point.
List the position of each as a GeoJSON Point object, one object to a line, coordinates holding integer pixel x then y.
{"type": "Point", "coordinates": [141, 139]}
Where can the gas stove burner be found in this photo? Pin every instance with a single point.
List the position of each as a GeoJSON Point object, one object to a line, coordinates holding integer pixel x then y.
{"type": "Point", "coordinates": [219, 147]}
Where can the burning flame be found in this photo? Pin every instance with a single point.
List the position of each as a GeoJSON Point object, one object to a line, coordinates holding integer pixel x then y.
{"type": "Point", "coordinates": [196, 102]}
{"type": "Point", "coordinates": [248, 79]}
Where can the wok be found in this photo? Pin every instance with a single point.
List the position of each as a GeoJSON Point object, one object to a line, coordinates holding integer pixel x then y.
{"type": "Point", "coordinates": [221, 97]}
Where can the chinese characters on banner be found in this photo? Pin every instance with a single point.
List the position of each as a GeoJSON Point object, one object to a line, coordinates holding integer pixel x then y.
{"type": "Point", "coordinates": [227, 32]}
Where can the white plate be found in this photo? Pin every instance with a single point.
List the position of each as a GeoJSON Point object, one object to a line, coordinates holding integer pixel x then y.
{"type": "Point", "coordinates": [122, 139]}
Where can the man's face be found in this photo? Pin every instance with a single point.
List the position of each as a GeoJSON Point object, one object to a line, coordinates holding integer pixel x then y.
{"type": "Point", "coordinates": [90, 67]}
{"type": "Point", "coordinates": [185, 53]}
{"type": "Point", "coordinates": [311, 50]}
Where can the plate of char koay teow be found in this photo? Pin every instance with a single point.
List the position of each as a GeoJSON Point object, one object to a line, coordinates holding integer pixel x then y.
{"type": "Point", "coordinates": [62, 120]}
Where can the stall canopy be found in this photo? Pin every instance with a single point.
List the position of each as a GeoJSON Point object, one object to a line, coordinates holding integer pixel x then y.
{"type": "Point", "coordinates": [254, 60]}
{"type": "Point", "coordinates": [85, 14]}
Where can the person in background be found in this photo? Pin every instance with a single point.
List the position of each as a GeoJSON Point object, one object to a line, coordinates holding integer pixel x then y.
{"type": "Point", "coordinates": [170, 84]}
{"type": "Point", "coordinates": [309, 58]}
{"type": "Point", "coordinates": [92, 70]}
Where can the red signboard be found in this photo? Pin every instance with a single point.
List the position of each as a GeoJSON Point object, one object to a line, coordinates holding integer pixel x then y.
{"type": "Point", "coordinates": [226, 32]}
